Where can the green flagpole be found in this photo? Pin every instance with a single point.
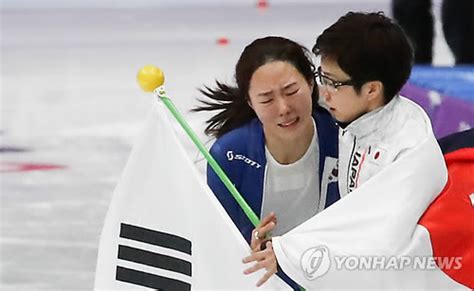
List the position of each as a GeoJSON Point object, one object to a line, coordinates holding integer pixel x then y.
{"type": "Point", "coordinates": [212, 162]}
{"type": "Point", "coordinates": [151, 79]}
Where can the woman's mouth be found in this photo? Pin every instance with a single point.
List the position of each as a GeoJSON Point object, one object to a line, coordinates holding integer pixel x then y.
{"type": "Point", "coordinates": [289, 122]}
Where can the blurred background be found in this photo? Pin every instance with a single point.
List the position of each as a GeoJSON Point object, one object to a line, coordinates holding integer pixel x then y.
{"type": "Point", "coordinates": [70, 106]}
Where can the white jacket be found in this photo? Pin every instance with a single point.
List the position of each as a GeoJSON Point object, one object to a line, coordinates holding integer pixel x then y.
{"type": "Point", "coordinates": [377, 139]}
{"type": "Point", "coordinates": [361, 241]}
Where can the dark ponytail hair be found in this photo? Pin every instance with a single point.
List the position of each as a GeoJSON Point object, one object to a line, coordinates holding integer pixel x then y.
{"type": "Point", "coordinates": [233, 101]}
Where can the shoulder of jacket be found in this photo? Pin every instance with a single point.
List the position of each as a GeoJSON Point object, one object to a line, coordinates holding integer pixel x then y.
{"type": "Point", "coordinates": [238, 138]}
{"type": "Point", "coordinates": [412, 121]}
{"type": "Point", "coordinates": [408, 127]}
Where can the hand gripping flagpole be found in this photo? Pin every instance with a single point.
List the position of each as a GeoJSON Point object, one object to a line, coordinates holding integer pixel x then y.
{"type": "Point", "coordinates": [151, 79]}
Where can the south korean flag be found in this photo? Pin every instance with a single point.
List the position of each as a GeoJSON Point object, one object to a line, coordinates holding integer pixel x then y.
{"type": "Point", "coordinates": [165, 229]}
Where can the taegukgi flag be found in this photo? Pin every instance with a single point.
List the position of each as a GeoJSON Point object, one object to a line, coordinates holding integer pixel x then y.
{"type": "Point", "coordinates": [165, 229]}
{"type": "Point", "coordinates": [374, 239]}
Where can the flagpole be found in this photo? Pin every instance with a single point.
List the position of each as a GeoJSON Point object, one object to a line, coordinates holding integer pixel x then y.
{"type": "Point", "coordinates": [212, 162]}
{"type": "Point", "coordinates": [151, 79]}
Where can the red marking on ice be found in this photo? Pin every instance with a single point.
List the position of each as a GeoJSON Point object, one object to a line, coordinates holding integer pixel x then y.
{"type": "Point", "coordinates": [262, 4]}
{"type": "Point", "coordinates": [222, 41]}
{"type": "Point", "coordinates": [25, 167]}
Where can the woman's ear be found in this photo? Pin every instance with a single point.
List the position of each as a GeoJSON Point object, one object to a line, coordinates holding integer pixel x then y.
{"type": "Point", "coordinates": [373, 90]}
{"type": "Point", "coordinates": [373, 94]}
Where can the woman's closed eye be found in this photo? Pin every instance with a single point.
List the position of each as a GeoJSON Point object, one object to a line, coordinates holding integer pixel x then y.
{"type": "Point", "coordinates": [293, 92]}
{"type": "Point", "coordinates": [266, 101]}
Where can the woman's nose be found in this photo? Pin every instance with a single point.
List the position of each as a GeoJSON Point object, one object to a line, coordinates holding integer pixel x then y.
{"type": "Point", "coordinates": [283, 106]}
{"type": "Point", "coordinates": [325, 93]}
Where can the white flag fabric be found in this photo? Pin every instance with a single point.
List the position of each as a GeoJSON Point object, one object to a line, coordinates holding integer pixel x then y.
{"type": "Point", "coordinates": [165, 229]}
{"type": "Point", "coordinates": [371, 238]}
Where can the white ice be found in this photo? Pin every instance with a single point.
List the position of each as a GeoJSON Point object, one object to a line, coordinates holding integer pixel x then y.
{"type": "Point", "coordinates": [68, 93]}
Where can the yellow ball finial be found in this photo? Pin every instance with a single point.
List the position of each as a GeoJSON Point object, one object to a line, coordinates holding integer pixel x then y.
{"type": "Point", "coordinates": [150, 77]}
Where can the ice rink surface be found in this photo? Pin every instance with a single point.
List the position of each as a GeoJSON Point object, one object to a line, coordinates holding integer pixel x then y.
{"type": "Point", "coordinates": [70, 108]}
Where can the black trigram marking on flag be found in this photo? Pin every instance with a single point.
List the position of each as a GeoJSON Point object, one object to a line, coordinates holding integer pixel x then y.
{"type": "Point", "coordinates": [160, 261]}
{"type": "Point", "coordinates": [150, 280]}
{"type": "Point", "coordinates": [156, 238]}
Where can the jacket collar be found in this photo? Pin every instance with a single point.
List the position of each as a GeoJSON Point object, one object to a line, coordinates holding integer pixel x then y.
{"type": "Point", "coordinates": [372, 121]}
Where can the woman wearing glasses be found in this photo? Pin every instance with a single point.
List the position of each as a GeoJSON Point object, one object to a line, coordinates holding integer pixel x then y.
{"type": "Point", "coordinates": [365, 60]}
{"type": "Point", "coordinates": [273, 140]}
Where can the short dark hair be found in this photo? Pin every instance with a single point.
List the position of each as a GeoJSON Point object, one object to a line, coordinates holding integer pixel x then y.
{"type": "Point", "coordinates": [233, 100]}
{"type": "Point", "coordinates": [368, 47]}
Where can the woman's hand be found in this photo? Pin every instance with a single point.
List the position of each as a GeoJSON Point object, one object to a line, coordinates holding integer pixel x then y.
{"type": "Point", "coordinates": [264, 259]}
{"type": "Point", "coordinates": [260, 233]}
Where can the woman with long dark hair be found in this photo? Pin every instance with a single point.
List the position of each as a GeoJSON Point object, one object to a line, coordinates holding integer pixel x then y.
{"type": "Point", "coordinates": [273, 140]}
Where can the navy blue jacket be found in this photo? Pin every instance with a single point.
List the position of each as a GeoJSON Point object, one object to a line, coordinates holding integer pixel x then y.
{"type": "Point", "coordinates": [241, 154]}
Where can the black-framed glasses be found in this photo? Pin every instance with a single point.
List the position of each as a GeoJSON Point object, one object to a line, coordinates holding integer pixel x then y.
{"type": "Point", "coordinates": [329, 83]}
